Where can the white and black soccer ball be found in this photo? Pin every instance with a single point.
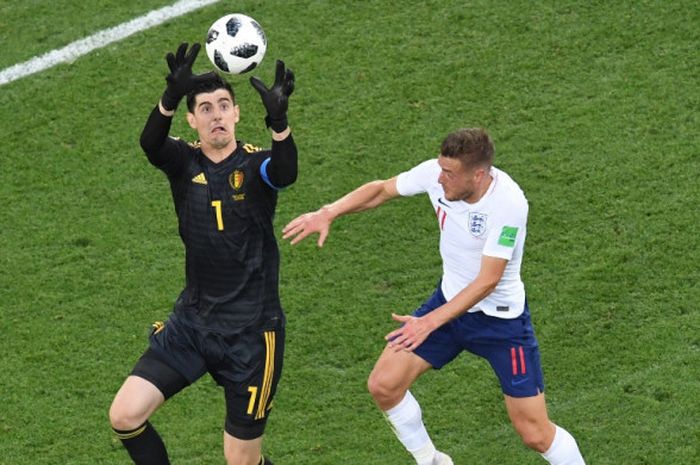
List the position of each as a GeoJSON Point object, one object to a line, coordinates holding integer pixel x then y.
{"type": "Point", "coordinates": [236, 43]}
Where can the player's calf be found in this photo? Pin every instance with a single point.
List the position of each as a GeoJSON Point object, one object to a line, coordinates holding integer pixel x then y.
{"type": "Point", "coordinates": [144, 445]}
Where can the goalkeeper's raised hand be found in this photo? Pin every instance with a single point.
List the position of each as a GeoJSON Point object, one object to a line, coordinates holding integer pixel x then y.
{"type": "Point", "coordinates": [276, 98]}
{"type": "Point", "coordinates": [181, 79]}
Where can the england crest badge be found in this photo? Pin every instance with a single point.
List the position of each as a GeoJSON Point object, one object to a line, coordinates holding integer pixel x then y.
{"type": "Point", "coordinates": [477, 223]}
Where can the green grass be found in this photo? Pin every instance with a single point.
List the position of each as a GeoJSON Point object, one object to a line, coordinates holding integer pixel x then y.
{"type": "Point", "coordinates": [593, 107]}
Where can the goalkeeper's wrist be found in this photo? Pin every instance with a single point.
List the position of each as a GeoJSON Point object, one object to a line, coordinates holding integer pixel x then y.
{"type": "Point", "coordinates": [280, 136]}
{"type": "Point", "coordinates": [164, 112]}
{"type": "Point", "coordinates": [169, 102]}
{"type": "Point", "coordinates": [277, 124]}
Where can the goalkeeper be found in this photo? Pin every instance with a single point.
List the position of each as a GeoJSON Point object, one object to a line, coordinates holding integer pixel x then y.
{"type": "Point", "coordinates": [228, 320]}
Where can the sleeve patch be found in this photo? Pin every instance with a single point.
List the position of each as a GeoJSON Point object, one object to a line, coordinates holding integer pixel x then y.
{"type": "Point", "coordinates": [508, 235]}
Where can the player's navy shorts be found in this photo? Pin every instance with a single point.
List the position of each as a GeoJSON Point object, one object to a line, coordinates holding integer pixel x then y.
{"type": "Point", "coordinates": [247, 365]}
{"type": "Point", "coordinates": [510, 346]}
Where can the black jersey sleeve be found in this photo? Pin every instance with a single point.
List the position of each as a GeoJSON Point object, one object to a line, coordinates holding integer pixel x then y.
{"type": "Point", "coordinates": [282, 168]}
{"type": "Point", "coordinates": [161, 150]}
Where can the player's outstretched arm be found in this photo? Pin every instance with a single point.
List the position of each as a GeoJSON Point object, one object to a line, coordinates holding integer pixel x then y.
{"type": "Point", "coordinates": [276, 99]}
{"type": "Point", "coordinates": [181, 79]}
{"type": "Point", "coordinates": [282, 168]}
{"type": "Point", "coordinates": [367, 196]}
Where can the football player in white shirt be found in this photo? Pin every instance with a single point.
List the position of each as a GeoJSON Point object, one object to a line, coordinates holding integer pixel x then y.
{"type": "Point", "coordinates": [479, 305]}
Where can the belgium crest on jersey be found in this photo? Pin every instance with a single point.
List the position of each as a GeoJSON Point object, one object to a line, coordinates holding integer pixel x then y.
{"type": "Point", "coordinates": [236, 179]}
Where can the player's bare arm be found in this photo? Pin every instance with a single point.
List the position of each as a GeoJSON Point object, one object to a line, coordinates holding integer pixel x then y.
{"type": "Point", "coordinates": [365, 197]}
{"type": "Point", "coordinates": [415, 330]}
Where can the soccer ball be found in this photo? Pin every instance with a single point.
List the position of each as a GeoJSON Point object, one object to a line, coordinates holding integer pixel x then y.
{"type": "Point", "coordinates": [236, 43]}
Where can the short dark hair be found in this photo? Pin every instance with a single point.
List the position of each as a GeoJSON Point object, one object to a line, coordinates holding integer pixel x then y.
{"type": "Point", "coordinates": [472, 146]}
{"type": "Point", "coordinates": [215, 82]}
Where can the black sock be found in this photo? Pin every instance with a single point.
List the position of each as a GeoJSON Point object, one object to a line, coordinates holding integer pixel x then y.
{"type": "Point", "coordinates": [144, 445]}
{"type": "Point", "coordinates": [265, 461]}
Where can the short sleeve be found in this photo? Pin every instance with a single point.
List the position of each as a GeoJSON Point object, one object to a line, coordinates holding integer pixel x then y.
{"type": "Point", "coordinates": [418, 179]}
{"type": "Point", "coordinates": [506, 232]}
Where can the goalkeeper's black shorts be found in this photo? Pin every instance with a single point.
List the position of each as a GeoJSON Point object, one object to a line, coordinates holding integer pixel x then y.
{"type": "Point", "coordinates": [247, 365]}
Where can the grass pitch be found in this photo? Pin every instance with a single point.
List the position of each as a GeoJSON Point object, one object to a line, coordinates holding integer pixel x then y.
{"type": "Point", "coordinates": [593, 108]}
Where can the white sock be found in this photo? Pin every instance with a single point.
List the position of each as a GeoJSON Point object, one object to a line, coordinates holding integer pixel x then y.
{"type": "Point", "coordinates": [407, 422]}
{"type": "Point", "coordinates": [563, 450]}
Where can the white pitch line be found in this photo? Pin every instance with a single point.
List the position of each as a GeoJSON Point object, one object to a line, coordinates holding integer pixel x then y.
{"type": "Point", "coordinates": [100, 39]}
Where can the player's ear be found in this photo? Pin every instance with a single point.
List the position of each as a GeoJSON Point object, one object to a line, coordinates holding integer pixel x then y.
{"type": "Point", "coordinates": [190, 120]}
{"type": "Point", "coordinates": [236, 114]}
{"type": "Point", "coordinates": [482, 172]}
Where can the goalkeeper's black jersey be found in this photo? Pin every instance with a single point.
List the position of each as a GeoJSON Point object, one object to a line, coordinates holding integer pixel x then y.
{"type": "Point", "coordinates": [225, 217]}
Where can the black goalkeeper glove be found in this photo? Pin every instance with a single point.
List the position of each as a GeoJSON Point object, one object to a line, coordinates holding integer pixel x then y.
{"type": "Point", "coordinates": [276, 98]}
{"type": "Point", "coordinates": [181, 80]}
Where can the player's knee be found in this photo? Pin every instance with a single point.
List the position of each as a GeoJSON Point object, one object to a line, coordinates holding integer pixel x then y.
{"type": "Point", "coordinates": [119, 420]}
{"type": "Point", "coordinates": [535, 438]}
{"type": "Point", "coordinates": [375, 386]}
{"type": "Point", "coordinates": [232, 459]}
{"type": "Point", "coordinates": [242, 461]}
{"type": "Point", "coordinates": [239, 458]}
{"type": "Point", "coordinates": [243, 440]}
{"type": "Point", "coordinates": [382, 390]}
{"type": "Point", "coordinates": [122, 419]}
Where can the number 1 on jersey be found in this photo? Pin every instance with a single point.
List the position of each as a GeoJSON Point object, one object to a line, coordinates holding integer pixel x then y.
{"type": "Point", "coordinates": [219, 217]}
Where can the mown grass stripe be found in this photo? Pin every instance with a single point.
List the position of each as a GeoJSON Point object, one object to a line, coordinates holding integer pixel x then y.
{"type": "Point", "coordinates": [100, 39]}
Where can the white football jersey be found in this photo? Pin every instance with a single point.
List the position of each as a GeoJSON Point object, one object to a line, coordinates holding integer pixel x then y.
{"type": "Point", "coordinates": [494, 226]}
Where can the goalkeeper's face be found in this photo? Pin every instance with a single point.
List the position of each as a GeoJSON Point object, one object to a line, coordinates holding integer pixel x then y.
{"type": "Point", "coordinates": [214, 118]}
